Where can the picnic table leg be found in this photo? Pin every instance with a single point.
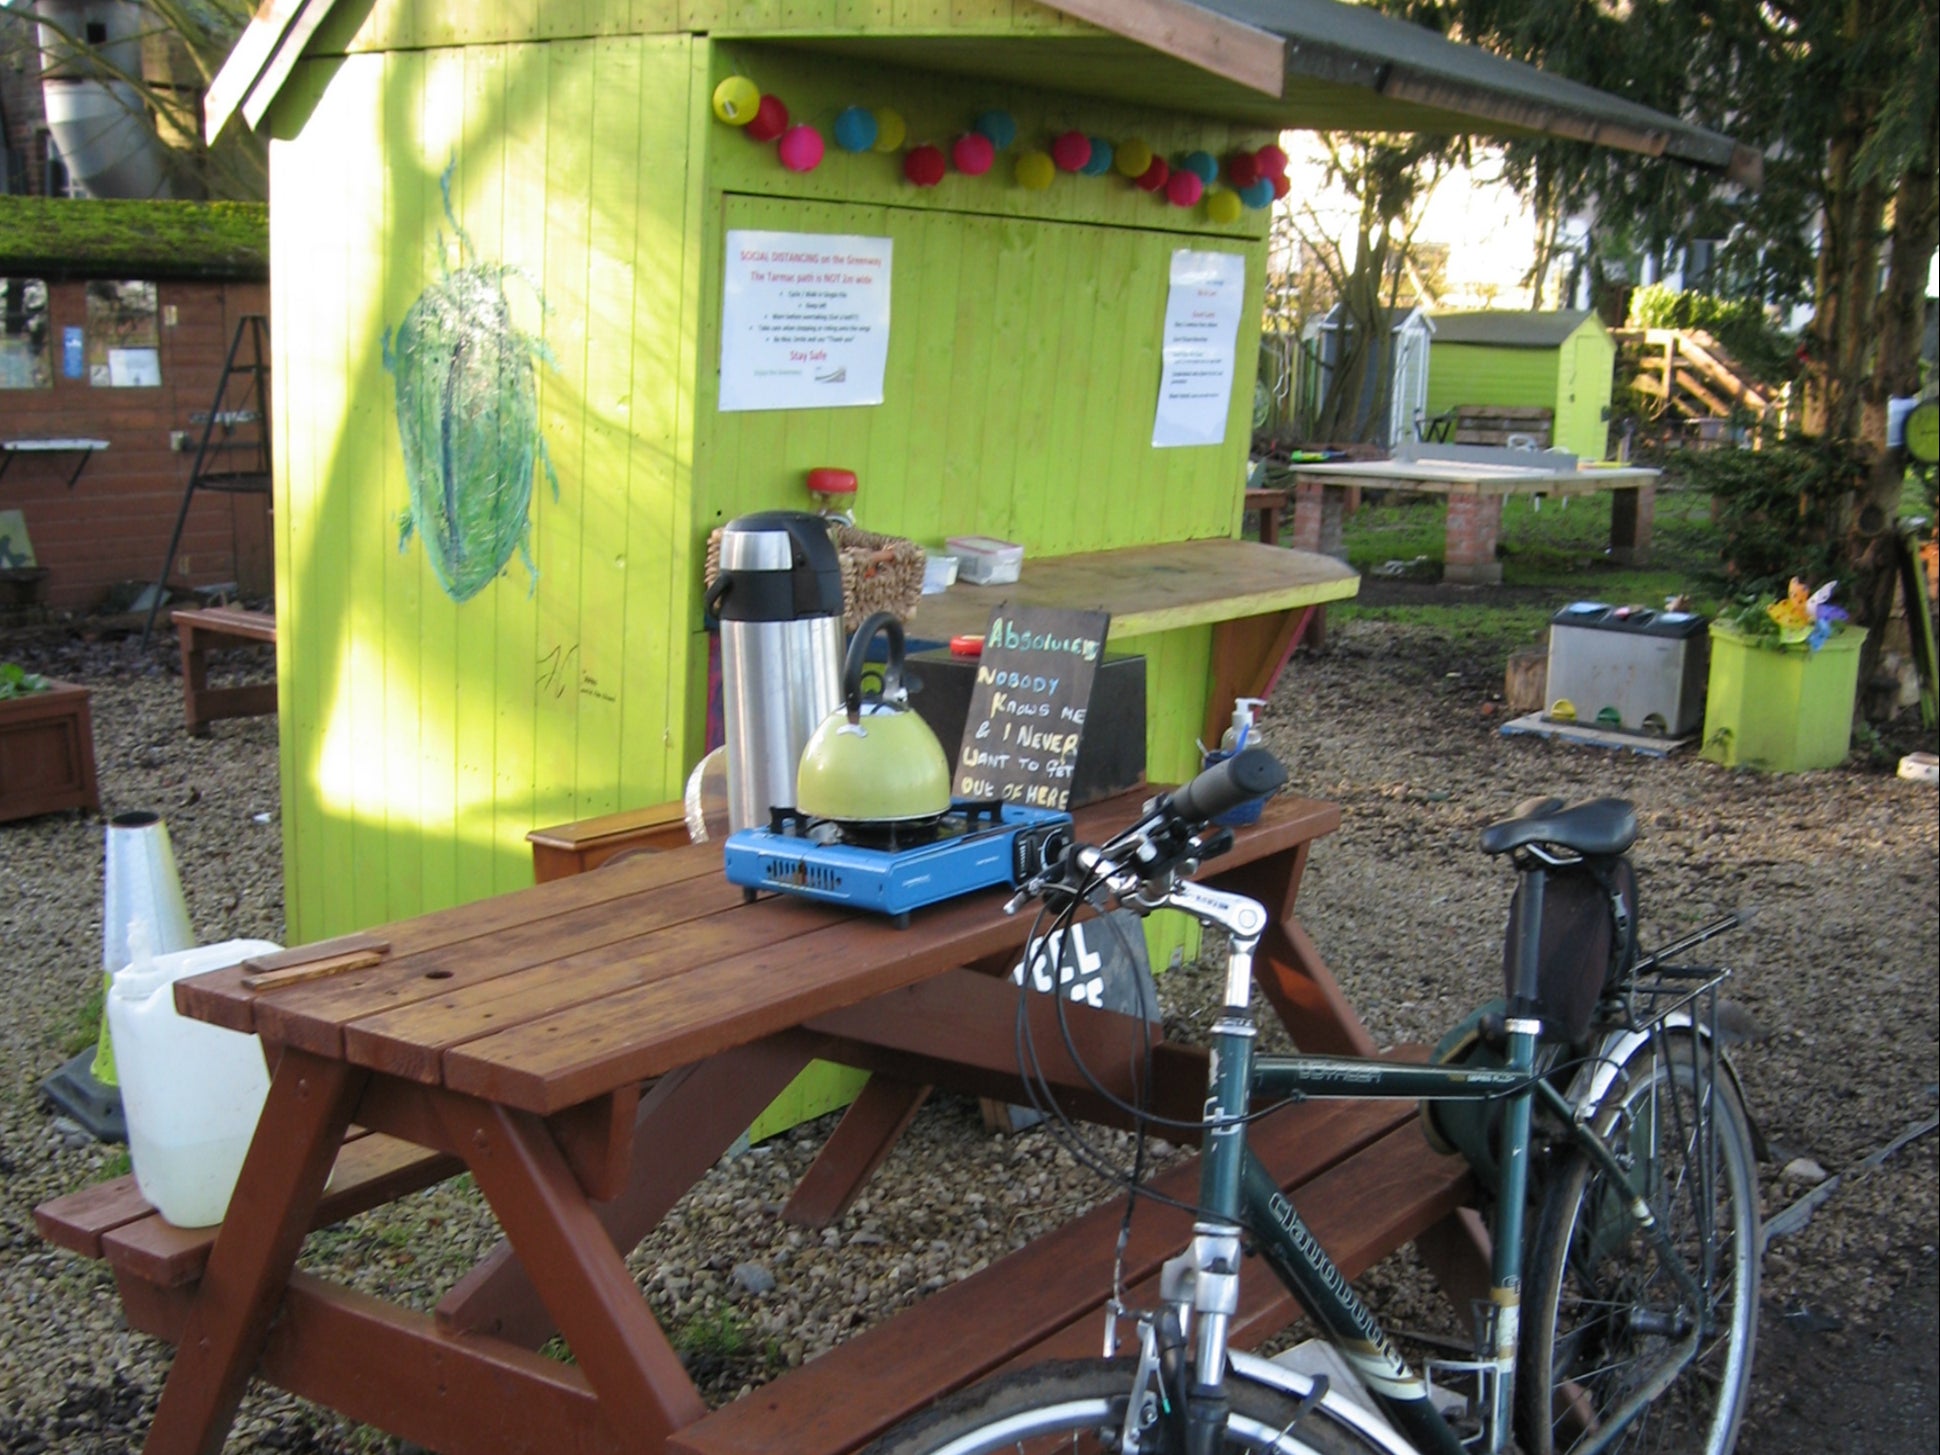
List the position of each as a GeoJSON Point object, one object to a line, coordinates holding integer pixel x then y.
{"type": "Point", "coordinates": [1288, 967]}
{"type": "Point", "coordinates": [871, 1126]}
{"type": "Point", "coordinates": [310, 1104]}
{"type": "Point", "coordinates": [195, 676]}
{"type": "Point", "coordinates": [1474, 528]}
{"type": "Point", "coordinates": [1631, 512]}
{"type": "Point", "coordinates": [689, 1117]}
{"type": "Point", "coordinates": [644, 1391]}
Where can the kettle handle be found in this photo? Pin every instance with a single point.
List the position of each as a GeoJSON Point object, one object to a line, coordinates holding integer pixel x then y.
{"type": "Point", "coordinates": [891, 626]}
{"type": "Point", "coordinates": [717, 589]}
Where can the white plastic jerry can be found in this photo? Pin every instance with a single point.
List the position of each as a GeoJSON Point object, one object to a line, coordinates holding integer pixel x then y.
{"type": "Point", "coordinates": [191, 1092]}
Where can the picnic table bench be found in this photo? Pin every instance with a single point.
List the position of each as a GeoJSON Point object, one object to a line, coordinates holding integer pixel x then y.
{"type": "Point", "coordinates": [587, 1049]}
{"type": "Point", "coordinates": [204, 631]}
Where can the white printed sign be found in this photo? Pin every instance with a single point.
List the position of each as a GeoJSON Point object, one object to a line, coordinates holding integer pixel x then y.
{"type": "Point", "coordinates": [1201, 327]}
{"type": "Point", "coordinates": [804, 320]}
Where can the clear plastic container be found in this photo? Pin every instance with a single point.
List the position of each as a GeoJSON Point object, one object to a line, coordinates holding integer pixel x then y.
{"type": "Point", "coordinates": [191, 1092]}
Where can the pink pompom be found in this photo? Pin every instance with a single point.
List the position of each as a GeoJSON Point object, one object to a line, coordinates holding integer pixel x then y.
{"type": "Point", "coordinates": [801, 149]}
{"type": "Point", "coordinates": [1071, 151]}
{"type": "Point", "coordinates": [1184, 188]}
{"type": "Point", "coordinates": [1273, 161]}
{"type": "Point", "coordinates": [973, 153]}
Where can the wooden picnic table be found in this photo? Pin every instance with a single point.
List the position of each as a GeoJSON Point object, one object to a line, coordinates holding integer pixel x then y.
{"type": "Point", "coordinates": [1258, 599]}
{"type": "Point", "coordinates": [587, 1049]}
{"type": "Point", "coordinates": [1475, 492]}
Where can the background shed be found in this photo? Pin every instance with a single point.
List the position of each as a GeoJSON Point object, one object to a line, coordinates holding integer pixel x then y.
{"type": "Point", "coordinates": [1395, 379]}
{"type": "Point", "coordinates": [1506, 359]}
{"type": "Point", "coordinates": [167, 278]}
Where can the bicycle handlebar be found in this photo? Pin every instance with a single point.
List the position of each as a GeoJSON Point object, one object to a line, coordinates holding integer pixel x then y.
{"type": "Point", "coordinates": [1170, 833]}
{"type": "Point", "coordinates": [1252, 773]}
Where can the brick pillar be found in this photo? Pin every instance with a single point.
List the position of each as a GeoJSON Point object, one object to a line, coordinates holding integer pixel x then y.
{"type": "Point", "coordinates": [1630, 518]}
{"type": "Point", "coordinates": [1474, 524]}
{"type": "Point", "coordinates": [1317, 518]}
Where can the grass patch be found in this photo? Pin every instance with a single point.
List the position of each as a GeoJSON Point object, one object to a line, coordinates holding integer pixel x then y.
{"type": "Point", "coordinates": [1547, 543]}
{"type": "Point", "coordinates": [85, 1028]}
{"type": "Point", "coordinates": [1555, 552]}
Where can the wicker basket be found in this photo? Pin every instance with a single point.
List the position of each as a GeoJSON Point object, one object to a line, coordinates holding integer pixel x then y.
{"type": "Point", "coordinates": [879, 573]}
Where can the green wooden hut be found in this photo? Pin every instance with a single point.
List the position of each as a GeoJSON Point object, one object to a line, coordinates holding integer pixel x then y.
{"type": "Point", "coordinates": [524, 209]}
{"type": "Point", "coordinates": [1503, 359]}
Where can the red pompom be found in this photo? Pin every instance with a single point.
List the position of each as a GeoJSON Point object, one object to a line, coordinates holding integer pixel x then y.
{"type": "Point", "coordinates": [1281, 186]}
{"type": "Point", "coordinates": [924, 165]}
{"type": "Point", "coordinates": [1071, 151]}
{"type": "Point", "coordinates": [1154, 176]}
{"type": "Point", "coordinates": [973, 153]}
{"type": "Point", "coordinates": [1273, 161]}
{"type": "Point", "coordinates": [1183, 188]}
{"type": "Point", "coordinates": [770, 119]}
{"type": "Point", "coordinates": [1242, 169]}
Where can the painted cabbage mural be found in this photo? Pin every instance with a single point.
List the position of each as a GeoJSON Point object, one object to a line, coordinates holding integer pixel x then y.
{"type": "Point", "coordinates": [468, 421]}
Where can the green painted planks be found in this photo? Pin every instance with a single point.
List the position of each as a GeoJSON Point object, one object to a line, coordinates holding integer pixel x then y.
{"type": "Point", "coordinates": [427, 736]}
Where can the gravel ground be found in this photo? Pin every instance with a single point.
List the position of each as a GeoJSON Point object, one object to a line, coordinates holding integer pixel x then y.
{"type": "Point", "coordinates": [1838, 973]}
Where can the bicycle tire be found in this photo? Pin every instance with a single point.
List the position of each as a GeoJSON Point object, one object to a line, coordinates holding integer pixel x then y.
{"type": "Point", "coordinates": [1603, 1315]}
{"type": "Point", "coordinates": [1079, 1406]}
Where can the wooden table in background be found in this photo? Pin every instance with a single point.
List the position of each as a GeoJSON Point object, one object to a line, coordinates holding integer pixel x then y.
{"type": "Point", "coordinates": [1475, 493]}
{"type": "Point", "coordinates": [587, 1049]}
{"type": "Point", "coordinates": [1257, 598]}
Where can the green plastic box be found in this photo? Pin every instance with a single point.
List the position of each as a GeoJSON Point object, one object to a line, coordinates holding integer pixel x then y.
{"type": "Point", "coordinates": [1780, 709]}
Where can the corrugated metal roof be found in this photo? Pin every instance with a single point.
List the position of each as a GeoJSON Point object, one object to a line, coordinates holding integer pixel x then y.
{"type": "Point", "coordinates": [1510, 329]}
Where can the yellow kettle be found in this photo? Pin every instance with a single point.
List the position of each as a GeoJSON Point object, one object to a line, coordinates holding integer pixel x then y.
{"type": "Point", "coordinates": [873, 760]}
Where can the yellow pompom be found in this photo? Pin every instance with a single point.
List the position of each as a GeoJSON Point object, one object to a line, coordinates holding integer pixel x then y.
{"type": "Point", "coordinates": [1132, 158]}
{"type": "Point", "coordinates": [891, 130]}
{"type": "Point", "coordinates": [736, 100]}
{"type": "Point", "coordinates": [1223, 206]}
{"type": "Point", "coordinates": [1035, 170]}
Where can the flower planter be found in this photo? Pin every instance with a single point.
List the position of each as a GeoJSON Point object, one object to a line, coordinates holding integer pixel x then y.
{"type": "Point", "coordinates": [47, 753]}
{"type": "Point", "coordinates": [1780, 709]}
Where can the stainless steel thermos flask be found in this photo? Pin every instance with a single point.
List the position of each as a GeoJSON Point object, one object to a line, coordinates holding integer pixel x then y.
{"type": "Point", "coordinates": [778, 596]}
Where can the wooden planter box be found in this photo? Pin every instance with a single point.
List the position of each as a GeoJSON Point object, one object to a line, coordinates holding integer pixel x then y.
{"type": "Point", "coordinates": [47, 753]}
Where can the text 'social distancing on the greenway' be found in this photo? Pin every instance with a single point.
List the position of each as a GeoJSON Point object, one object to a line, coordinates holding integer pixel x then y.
{"type": "Point", "coordinates": [1027, 711]}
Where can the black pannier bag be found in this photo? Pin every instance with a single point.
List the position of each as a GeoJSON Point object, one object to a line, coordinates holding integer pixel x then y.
{"type": "Point", "coordinates": [1589, 942]}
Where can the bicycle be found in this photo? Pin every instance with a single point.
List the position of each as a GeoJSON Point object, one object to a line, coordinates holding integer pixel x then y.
{"type": "Point", "coordinates": [1597, 1107]}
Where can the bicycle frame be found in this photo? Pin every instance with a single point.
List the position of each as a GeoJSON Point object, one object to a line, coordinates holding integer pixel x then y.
{"type": "Point", "coordinates": [1237, 1193]}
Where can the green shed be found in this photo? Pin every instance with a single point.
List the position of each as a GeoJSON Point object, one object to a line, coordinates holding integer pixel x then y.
{"type": "Point", "coordinates": [1504, 359]}
{"type": "Point", "coordinates": [502, 233]}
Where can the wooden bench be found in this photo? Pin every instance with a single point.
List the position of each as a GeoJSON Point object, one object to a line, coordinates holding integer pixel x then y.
{"type": "Point", "coordinates": [1269, 502]}
{"type": "Point", "coordinates": [1489, 424]}
{"type": "Point", "coordinates": [1360, 1172]}
{"type": "Point", "coordinates": [153, 1260]}
{"type": "Point", "coordinates": [573, 848]}
{"type": "Point", "coordinates": [203, 630]}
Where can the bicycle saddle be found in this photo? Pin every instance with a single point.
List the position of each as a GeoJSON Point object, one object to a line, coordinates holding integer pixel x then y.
{"type": "Point", "coordinates": [1595, 830]}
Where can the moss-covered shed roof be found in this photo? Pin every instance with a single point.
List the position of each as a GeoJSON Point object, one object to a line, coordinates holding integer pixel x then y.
{"type": "Point", "coordinates": [49, 237]}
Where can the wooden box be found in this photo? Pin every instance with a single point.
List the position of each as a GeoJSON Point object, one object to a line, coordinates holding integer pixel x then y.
{"type": "Point", "coordinates": [47, 753]}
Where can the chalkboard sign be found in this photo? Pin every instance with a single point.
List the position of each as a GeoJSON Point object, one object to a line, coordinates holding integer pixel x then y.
{"type": "Point", "coordinates": [1027, 709]}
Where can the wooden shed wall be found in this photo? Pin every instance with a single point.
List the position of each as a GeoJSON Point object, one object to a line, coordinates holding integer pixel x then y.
{"type": "Point", "coordinates": [1573, 379]}
{"type": "Point", "coordinates": [423, 738]}
{"type": "Point", "coordinates": [110, 529]}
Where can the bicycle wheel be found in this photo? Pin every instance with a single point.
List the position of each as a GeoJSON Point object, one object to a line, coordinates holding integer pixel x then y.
{"type": "Point", "coordinates": [1605, 1319]}
{"type": "Point", "coordinates": [1079, 1406]}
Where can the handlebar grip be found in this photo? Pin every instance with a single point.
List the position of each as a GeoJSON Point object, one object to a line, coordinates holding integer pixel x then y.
{"type": "Point", "coordinates": [1252, 773]}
